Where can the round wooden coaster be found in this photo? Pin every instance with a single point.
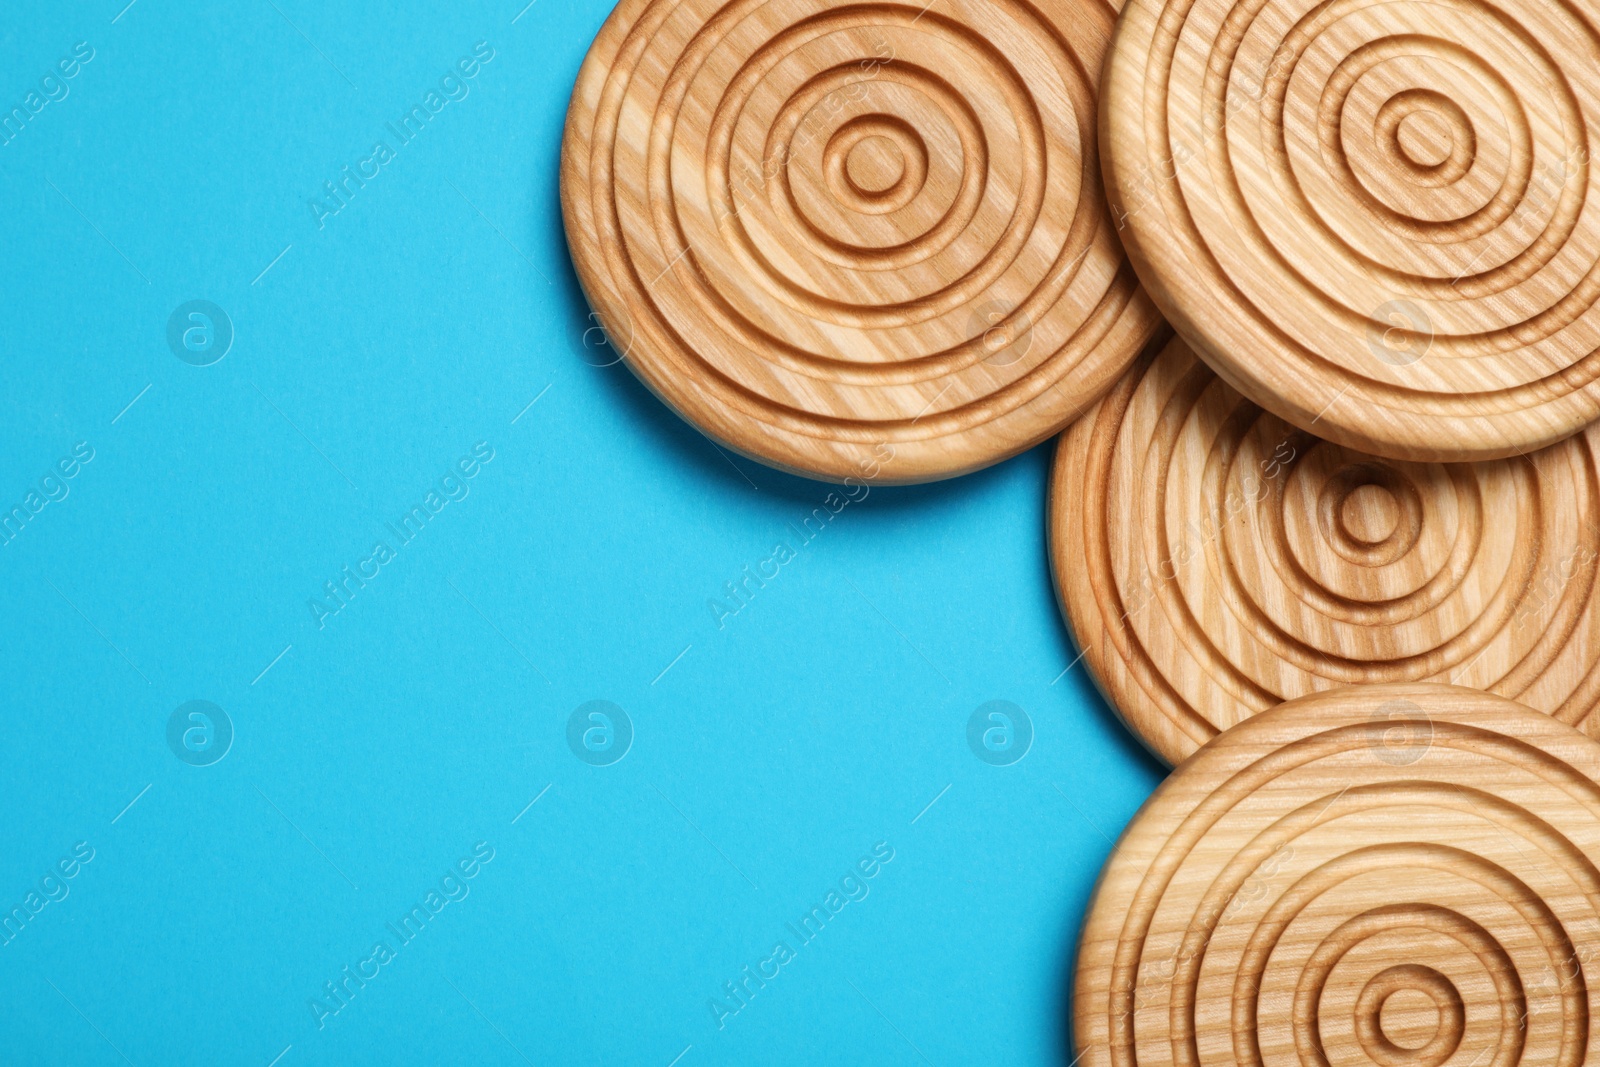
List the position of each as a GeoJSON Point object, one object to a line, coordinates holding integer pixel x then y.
{"type": "Point", "coordinates": [853, 240]}
{"type": "Point", "coordinates": [1399, 876]}
{"type": "Point", "coordinates": [1378, 217]}
{"type": "Point", "coordinates": [1213, 561]}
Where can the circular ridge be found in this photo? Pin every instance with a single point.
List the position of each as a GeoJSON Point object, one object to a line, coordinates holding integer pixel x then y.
{"type": "Point", "coordinates": [1294, 892]}
{"type": "Point", "coordinates": [1377, 1036]}
{"type": "Point", "coordinates": [804, 223]}
{"type": "Point", "coordinates": [1377, 220]}
{"type": "Point", "coordinates": [1212, 561]}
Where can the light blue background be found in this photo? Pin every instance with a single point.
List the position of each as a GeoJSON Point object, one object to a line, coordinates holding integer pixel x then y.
{"type": "Point", "coordinates": [769, 756]}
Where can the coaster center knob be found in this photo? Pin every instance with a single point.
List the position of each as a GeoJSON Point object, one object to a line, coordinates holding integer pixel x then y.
{"type": "Point", "coordinates": [875, 165]}
{"type": "Point", "coordinates": [1409, 1019]}
{"type": "Point", "coordinates": [1424, 138]}
{"type": "Point", "coordinates": [1369, 514]}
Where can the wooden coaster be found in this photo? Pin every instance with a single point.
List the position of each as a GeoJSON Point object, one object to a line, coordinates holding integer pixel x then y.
{"type": "Point", "coordinates": [1213, 561]}
{"type": "Point", "coordinates": [1381, 218]}
{"type": "Point", "coordinates": [1399, 876]}
{"type": "Point", "coordinates": [852, 240]}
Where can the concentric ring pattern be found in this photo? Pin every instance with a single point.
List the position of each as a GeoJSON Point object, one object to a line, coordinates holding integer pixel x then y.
{"type": "Point", "coordinates": [1400, 876]}
{"type": "Point", "coordinates": [1212, 561]}
{"type": "Point", "coordinates": [1378, 217]}
{"type": "Point", "coordinates": [853, 240]}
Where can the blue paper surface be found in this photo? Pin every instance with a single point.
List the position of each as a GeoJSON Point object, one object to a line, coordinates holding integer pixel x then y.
{"type": "Point", "coordinates": [284, 682]}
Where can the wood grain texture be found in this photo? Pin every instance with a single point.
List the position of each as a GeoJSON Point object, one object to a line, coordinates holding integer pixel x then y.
{"type": "Point", "coordinates": [1212, 561]}
{"type": "Point", "coordinates": [853, 240]}
{"type": "Point", "coordinates": [1400, 876]}
{"type": "Point", "coordinates": [1381, 217]}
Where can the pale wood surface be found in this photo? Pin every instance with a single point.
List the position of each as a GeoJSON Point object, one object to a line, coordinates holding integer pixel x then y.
{"type": "Point", "coordinates": [853, 240]}
{"type": "Point", "coordinates": [1380, 217]}
{"type": "Point", "coordinates": [1394, 875]}
{"type": "Point", "coordinates": [1213, 561]}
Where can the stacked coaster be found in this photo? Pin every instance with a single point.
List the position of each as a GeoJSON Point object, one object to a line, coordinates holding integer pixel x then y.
{"type": "Point", "coordinates": [1377, 218]}
{"type": "Point", "coordinates": [1393, 875]}
{"type": "Point", "coordinates": [1214, 560]}
{"type": "Point", "coordinates": [853, 240]}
